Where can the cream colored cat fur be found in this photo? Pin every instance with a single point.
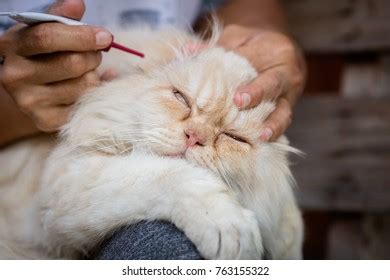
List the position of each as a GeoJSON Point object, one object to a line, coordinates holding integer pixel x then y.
{"type": "Point", "coordinates": [124, 157]}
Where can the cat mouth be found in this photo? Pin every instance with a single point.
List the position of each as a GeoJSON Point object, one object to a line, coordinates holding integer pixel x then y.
{"type": "Point", "coordinates": [177, 155]}
{"type": "Point", "coordinates": [182, 154]}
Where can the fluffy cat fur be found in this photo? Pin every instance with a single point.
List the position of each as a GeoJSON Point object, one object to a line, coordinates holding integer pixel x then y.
{"type": "Point", "coordinates": [123, 158]}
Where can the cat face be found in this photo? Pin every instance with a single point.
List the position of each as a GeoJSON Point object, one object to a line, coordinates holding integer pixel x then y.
{"type": "Point", "coordinates": [180, 109]}
{"type": "Point", "coordinates": [191, 114]}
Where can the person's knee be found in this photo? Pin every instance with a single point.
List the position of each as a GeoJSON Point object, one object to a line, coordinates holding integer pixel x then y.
{"type": "Point", "coordinates": [149, 240]}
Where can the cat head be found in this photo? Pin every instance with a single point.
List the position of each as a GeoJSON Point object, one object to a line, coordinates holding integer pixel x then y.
{"type": "Point", "coordinates": [183, 108]}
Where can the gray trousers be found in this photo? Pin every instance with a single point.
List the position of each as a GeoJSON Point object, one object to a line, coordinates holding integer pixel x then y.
{"type": "Point", "coordinates": [156, 240]}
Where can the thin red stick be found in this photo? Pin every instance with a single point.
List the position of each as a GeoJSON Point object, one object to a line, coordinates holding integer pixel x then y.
{"type": "Point", "coordinates": [125, 49]}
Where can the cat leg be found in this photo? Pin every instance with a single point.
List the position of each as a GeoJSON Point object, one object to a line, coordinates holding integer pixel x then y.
{"type": "Point", "coordinates": [291, 232]}
{"type": "Point", "coordinates": [95, 195]}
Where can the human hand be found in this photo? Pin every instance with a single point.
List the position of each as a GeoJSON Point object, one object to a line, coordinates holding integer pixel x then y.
{"type": "Point", "coordinates": [48, 66]}
{"type": "Point", "coordinates": [282, 73]}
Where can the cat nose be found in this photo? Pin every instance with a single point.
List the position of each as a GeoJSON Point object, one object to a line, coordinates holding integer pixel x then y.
{"type": "Point", "coordinates": [193, 138]}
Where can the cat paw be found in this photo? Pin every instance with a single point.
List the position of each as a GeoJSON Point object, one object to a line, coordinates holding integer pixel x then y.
{"type": "Point", "coordinates": [226, 233]}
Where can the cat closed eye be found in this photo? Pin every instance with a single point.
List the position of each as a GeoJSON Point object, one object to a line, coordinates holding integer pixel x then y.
{"type": "Point", "coordinates": [237, 138]}
{"type": "Point", "coordinates": [181, 97]}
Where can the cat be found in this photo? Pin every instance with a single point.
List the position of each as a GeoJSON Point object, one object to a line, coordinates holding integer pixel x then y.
{"type": "Point", "coordinates": [161, 141]}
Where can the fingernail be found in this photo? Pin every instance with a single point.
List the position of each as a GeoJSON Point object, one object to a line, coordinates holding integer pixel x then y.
{"type": "Point", "coordinates": [237, 100]}
{"type": "Point", "coordinates": [245, 100]}
{"type": "Point", "coordinates": [103, 39]}
{"type": "Point", "coordinates": [266, 134]}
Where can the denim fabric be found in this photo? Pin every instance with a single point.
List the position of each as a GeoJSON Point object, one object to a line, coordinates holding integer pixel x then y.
{"type": "Point", "coordinates": [154, 240]}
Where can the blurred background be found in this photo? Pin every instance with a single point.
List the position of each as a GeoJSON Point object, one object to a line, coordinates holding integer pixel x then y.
{"type": "Point", "coordinates": [342, 123]}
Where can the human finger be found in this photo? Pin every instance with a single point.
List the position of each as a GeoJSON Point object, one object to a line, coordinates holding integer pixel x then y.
{"type": "Point", "coordinates": [277, 122]}
{"type": "Point", "coordinates": [56, 37]}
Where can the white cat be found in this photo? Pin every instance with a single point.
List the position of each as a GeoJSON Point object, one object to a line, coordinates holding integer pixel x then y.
{"type": "Point", "coordinates": [163, 141]}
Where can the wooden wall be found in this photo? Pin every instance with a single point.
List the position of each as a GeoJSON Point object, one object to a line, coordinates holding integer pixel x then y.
{"type": "Point", "coordinates": [343, 125]}
{"type": "Point", "coordinates": [340, 25]}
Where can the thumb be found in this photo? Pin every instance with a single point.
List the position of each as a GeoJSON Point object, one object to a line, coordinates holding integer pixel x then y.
{"type": "Point", "coordinates": [68, 8]}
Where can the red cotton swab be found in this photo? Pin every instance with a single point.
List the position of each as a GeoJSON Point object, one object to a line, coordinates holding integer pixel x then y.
{"type": "Point", "coordinates": [125, 49]}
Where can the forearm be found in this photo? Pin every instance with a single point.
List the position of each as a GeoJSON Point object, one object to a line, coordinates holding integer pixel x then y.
{"type": "Point", "coordinates": [14, 125]}
{"type": "Point", "coordinates": [265, 14]}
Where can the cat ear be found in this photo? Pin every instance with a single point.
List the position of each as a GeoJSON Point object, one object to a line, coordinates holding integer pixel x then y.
{"type": "Point", "coordinates": [208, 40]}
{"type": "Point", "coordinates": [193, 48]}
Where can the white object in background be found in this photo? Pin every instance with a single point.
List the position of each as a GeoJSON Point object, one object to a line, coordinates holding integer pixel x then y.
{"type": "Point", "coordinates": [33, 18]}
